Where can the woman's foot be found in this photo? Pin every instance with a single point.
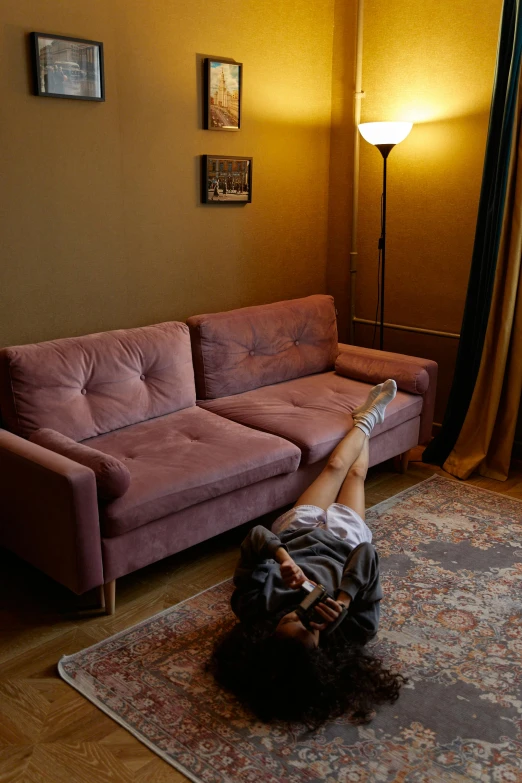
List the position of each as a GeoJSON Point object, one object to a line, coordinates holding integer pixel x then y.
{"type": "Point", "coordinates": [367, 418]}
{"type": "Point", "coordinates": [388, 392]}
{"type": "Point", "coordinates": [369, 400]}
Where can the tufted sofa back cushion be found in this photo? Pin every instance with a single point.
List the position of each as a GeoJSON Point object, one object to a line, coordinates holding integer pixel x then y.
{"type": "Point", "coordinates": [85, 386]}
{"type": "Point", "coordinates": [244, 349]}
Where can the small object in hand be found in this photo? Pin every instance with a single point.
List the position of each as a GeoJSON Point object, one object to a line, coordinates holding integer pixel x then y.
{"type": "Point", "coordinates": [316, 594]}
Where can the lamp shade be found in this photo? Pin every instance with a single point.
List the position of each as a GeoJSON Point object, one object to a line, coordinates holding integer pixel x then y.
{"type": "Point", "coordinates": [385, 132]}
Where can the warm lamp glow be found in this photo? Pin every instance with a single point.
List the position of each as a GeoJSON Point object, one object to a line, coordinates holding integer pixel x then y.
{"type": "Point", "coordinates": [385, 132]}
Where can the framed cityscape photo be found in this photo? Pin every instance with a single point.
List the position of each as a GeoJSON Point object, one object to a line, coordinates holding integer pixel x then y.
{"type": "Point", "coordinates": [226, 179]}
{"type": "Point", "coordinates": [222, 110]}
{"type": "Point", "coordinates": [67, 67]}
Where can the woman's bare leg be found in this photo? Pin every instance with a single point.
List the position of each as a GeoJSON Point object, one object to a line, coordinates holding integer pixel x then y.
{"type": "Point", "coordinates": [324, 490]}
{"type": "Point", "coordinates": [351, 493]}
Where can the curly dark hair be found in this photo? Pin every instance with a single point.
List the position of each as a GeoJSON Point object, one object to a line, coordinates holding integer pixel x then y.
{"type": "Point", "coordinates": [281, 679]}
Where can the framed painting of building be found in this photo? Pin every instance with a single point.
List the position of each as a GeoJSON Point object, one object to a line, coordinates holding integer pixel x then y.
{"type": "Point", "coordinates": [223, 86]}
{"type": "Point", "coordinates": [67, 67]}
{"type": "Point", "coordinates": [226, 179]}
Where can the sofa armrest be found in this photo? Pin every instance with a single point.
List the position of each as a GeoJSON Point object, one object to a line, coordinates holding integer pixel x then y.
{"type": "Point", "coordinates": [412, 374]}
{"type": "Point", "coordinates": [49, 513]}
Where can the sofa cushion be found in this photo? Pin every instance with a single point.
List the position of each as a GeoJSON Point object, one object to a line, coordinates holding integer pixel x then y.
{"type": "Point", "coordinates": [185, 458]}
{"type": "Point", "coordinates": [313, 412]}
{"type": "Point", "coordinates": [244, 349]}
{"type": "Point", "coordinates": [356, 364]}
{"type": "Point", "coordinates": [428, 372]}
{"type": "Point", "coordinates": [112, 476]}
{"type": "Point", "coordinates": [84, 386]}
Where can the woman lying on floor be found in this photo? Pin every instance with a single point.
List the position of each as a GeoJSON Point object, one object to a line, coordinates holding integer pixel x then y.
{"type": "Point", "coordinates": [293, 669]}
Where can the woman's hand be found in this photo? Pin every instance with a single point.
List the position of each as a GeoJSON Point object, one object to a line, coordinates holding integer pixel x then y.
{"type": "Point", "coordinates": [329, 611]}
{"type": "Point", "coordinates": [291, 574]}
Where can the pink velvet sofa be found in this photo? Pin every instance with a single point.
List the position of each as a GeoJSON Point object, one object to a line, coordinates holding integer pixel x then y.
{"type": "Point", "coordinates": [121, 448]}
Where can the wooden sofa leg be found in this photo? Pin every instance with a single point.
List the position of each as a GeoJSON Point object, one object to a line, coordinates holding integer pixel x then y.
{"type": "Point", "coordinates": [400, 462]}
{"type": "Point", "coordinates": [109, 592]}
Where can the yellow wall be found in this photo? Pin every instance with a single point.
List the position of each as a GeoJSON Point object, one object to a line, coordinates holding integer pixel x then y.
{"type": "Point", "coordinates": [100, 218]}
{"type": "Point", "coordinates": [341, 160]}
{"type": "Point", "coordinates": [100, 221]}
{"type": "Point", "coordinates": [431, 63]}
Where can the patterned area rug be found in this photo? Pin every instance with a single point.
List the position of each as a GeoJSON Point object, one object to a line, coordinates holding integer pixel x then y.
{"type": "Point", "coordinates": [451, 559]}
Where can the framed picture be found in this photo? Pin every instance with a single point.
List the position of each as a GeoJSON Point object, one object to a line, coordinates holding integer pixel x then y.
{"type": "Point", "coordinates": [67, 67]}
{"type": "Point", "coordinates": [226, 179]}
{"type": "Point", "coordinates": [222, 94]}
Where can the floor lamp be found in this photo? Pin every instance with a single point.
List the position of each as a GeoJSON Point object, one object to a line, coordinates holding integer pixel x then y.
{"type": "Point", "coordinates": [384, 136]}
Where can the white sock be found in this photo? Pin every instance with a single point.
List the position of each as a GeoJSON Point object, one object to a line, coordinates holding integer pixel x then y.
{"type": "Point", "coordinates": [369, 417]}
{"type": "Point", "coordinates": [368, 401]}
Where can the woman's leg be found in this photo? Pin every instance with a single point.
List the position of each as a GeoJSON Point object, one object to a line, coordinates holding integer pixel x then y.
{"type": "Point", "coordinates": [324, 490]}
{"type": "Point", "coordinates": [351, 493]}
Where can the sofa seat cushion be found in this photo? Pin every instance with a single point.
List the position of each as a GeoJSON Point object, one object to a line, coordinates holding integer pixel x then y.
{"type": "Point", "coordinates": [184, 458]}
{"type": "Point", "coordinates": [312, 412]}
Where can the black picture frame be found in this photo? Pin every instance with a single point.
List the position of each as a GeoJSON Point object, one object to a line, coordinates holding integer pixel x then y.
{"type": "Point", "coordinates": [226, 179]}
{"type": "Point", "coordinates": [66, 67]}
{"type": "Point", "coordinates": [223, 94]}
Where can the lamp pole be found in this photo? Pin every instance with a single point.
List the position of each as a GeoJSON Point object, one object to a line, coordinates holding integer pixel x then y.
{"type": "Point", "coordinates": [385, 150]}
{"type": "Point", "coordinates": [384, 136]}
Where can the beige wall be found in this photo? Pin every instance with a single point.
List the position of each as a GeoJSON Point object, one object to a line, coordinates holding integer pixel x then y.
{"type": "Point", "coordinates": [431, 63]}
{"type": "Point", "coordinates": [100, 220]}
{"type": "Point", "coordinates": [341, 160]}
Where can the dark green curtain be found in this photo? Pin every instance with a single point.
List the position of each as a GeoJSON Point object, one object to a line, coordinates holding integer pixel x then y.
{"type": "Point", "coordinates": [487, 234]}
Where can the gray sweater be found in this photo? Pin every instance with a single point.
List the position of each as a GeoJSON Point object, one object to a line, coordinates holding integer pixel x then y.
{"type": "Point", "coordinates": [260, 593]}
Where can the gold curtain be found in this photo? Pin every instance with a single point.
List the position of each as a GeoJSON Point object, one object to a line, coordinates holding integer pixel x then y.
{"type": "Point", "coordinates": [486, 438]}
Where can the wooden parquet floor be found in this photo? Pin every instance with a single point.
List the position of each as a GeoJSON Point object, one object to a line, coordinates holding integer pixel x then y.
{"type": "Point", "coordinates": [51, 734]}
